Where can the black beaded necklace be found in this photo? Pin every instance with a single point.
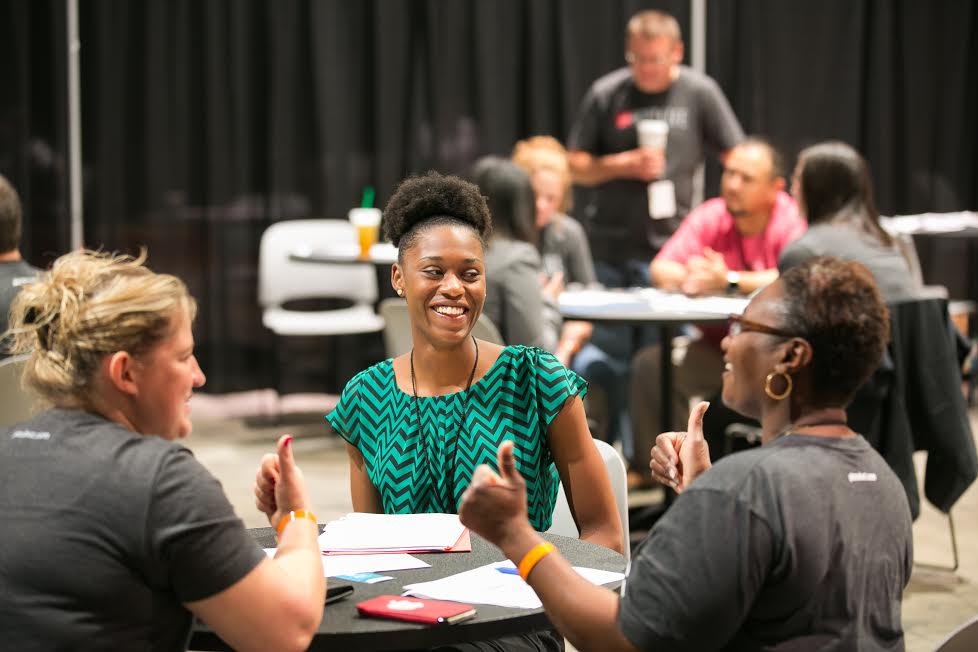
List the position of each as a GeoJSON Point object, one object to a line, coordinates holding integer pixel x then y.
{"type": "Point", "coordinates": [449, 476]}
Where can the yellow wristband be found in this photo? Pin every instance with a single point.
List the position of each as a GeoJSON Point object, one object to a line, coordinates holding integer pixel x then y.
{"type": "Point", "coordinates": [291, 516]}
{"type": "Point", "coordinates": [531, 558]}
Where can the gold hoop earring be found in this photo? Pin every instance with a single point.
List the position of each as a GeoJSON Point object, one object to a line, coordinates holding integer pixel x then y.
{"type": "Point", "coordinates": [787, 390]}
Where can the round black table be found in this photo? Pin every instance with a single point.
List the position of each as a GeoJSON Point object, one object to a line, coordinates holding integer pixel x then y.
{"type": "Point", "coordinates": [343, 629]}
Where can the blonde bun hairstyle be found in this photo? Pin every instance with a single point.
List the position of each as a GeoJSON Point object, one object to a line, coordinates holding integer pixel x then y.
{"type": "Point", "coordinates": [90, 304]}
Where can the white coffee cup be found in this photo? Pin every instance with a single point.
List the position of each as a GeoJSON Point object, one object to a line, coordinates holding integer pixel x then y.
{"type": "Point", "coordinates": [652, 133]}
{"type": "Point", "coordinates": [367, 223]}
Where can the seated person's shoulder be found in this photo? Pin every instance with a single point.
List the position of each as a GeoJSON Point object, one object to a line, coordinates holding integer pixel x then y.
{"type": "Point", "coordinates": [505, 255]}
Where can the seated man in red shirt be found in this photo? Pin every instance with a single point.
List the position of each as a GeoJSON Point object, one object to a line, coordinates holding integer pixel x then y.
{"type": "Point", "coordinates": [728, 244]}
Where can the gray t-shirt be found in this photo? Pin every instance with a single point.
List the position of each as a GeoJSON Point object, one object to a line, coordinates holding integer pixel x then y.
{"type": "Point", "coordinates": [13, 275]}
{"type": "Point", "coordinates": [700, 121]}
{"type": "Point", "coordinates": [564, 248]}
{"type": "Point", "coordinates": [888, 266]}
{"type": "Point", "coordinates": [802, 544]}
{"type": "Point", "coordinates": [105, 534]}
{"type": "Point", "coordinates": [514, 297]}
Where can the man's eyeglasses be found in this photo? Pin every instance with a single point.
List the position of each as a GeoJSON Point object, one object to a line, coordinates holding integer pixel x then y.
{"type": "Point", "coordinates": [634, 59]}
{"type": "Point", "coordinates": [737, 325]}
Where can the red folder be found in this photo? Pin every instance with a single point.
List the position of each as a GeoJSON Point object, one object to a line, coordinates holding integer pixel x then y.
{"type": "Point", "coordinates": [433, 612]}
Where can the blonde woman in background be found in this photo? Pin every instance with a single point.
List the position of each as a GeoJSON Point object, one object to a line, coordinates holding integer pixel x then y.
{"type": "Point", "coordinates": [114, 536]}
{"type": "Point", "coordinates": [561, 240]}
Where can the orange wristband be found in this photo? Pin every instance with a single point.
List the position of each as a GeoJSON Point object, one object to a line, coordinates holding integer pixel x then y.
{"type": "Point", "coordinates": [531, 558]}
{"type": "Point", "coordinates": [291, 516]}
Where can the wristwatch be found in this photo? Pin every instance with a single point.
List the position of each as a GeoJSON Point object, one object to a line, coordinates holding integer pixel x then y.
{"type": "Point", "coordinates": [733, 282]}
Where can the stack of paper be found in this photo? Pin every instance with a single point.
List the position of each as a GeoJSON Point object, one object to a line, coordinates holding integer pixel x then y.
{"type": "Point", "coordinates": [497, 584]}
{"type": "Point", "coordinates": [382, 533]}
{"type": "Point", "coordinates": [336, 565]}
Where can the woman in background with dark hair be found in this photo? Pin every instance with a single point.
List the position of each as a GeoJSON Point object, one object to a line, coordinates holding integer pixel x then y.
{"type": "Point", "coordinates": [832, 186]}
{"type": "Point", "coordinates": [524, 310]}
{"type": "Point", "coordinates": [561, 239]}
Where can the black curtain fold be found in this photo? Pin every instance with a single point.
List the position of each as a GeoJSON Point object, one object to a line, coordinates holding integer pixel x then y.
{"type": "Point", "coordinates": [896, 80]}
{"type": "Point", "coordinates": [204, 122]}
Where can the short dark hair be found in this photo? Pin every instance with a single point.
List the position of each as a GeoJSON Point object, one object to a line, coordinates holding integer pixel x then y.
{"type": "Point", "coordinates": [836, 187]}
{"type": "Point", "coordinates": [509, 193]}
{"type": "Point", "coordinates": [432, 199]}
{"type": "Point", "coordinates": [10, 217]}
{"type": "Point", "coordinates": [837, 307]}
{"type": "Point", "coordinates": [777, 160]}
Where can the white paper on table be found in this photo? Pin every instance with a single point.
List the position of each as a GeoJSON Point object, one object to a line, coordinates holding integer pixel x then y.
{"type": "Point", "coordinates": [674, 302]}
{"type": "Point", "coordinates": [360, 531]}
{"type": "Point", "coordinates": [600, 298]}
{"type": "Point", "coordinates": [334, 565]}
{"type": "Point", "coordinates": [486, 585]}
{"type": "Point", "coordinates": [931, 222]}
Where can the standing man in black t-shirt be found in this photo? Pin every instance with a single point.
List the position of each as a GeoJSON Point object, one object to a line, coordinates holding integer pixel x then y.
{"type": "Point", "coordinates": [632, 183]}
{"type": "Point", "coordinates": [14, 271]}
{"type": "Point", "coordinates": [604, 146]}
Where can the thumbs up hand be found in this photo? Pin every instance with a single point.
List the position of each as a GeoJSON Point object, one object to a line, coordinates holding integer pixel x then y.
{"type": "Point", "coordinates": [494, 505]}
{"type": "Point", "coordinates": [678, 458]}
{"type": "Point", "coordinates": [279, 485]}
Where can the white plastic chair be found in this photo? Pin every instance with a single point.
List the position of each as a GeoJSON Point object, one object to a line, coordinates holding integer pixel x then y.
{"type": "Point", "coordinates": [281, 279]}
{"type": "Point", "coordinates": [397, 328]}
{"type": "Point", "coordinates": [16, 403]}
{"type": "Point", "coordinates": [563, 521]}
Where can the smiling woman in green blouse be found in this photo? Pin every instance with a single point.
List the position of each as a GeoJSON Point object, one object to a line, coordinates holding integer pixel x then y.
{"type": "Point", "coordinates": [418, 425]}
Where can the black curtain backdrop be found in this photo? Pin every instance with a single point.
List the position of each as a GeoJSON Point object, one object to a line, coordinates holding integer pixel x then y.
{"type": "Point", "coordinates": [204, 122]}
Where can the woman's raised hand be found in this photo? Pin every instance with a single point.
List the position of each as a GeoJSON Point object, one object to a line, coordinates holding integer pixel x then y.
{"type": "Point", "coordinates": [679, 457]}
{"type": "Point", "coordinates": [279, 485]}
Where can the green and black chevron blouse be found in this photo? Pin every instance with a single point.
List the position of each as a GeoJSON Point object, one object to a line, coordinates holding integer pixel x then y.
{"type": "Point", "coordinates": [411, 465]}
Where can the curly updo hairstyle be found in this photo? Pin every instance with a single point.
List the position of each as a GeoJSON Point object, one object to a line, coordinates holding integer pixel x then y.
{"type": "Point", "coordinates": [429, 200]}
{"type": "Point", "coordinates": [837, 307]}
{"type": "Point", "coordinates": [88, 305]}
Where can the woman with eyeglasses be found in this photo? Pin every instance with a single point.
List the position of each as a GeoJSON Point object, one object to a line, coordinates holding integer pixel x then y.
{"type": "Point", "coordinates": [803, 543]}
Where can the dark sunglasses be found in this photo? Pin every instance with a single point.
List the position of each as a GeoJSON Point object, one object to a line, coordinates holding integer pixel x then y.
{"type": "Point", "coordinates": [737, 325]}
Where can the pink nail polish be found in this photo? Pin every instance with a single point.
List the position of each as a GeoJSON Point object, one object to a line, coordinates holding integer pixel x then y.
{"type": "Point", "coordinates": [288, 440]}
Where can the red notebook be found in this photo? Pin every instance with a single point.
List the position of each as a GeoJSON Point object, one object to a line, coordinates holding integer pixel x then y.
{"type": "Point", "coordinates": [434, 612]}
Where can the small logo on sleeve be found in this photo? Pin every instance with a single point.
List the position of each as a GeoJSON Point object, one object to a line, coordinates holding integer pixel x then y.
{"type": "Point", "coordinates": [862, 476]}
{"type": "Point", "coordinates": [30, 434]}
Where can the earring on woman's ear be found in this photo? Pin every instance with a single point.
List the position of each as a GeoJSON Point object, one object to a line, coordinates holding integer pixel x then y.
{"type": "Point", "coordinates": [789, 385]}
{"type": "Point", "coordinates": [400, 292]}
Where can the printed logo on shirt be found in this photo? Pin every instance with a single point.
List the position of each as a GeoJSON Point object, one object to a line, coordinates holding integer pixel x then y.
{"type": "Point", "coordinates": [30, 434]}
{"type": "Point", "coordinates": [862, 477]}
{"type": "Point", "coordinates": [22, 280]}
{"type": "Point", "coordinates": [676, 116]}
{"type": "Point", "coordinates": [624, 120]}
